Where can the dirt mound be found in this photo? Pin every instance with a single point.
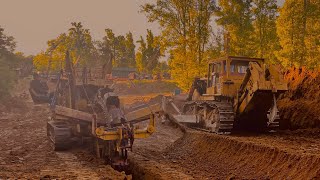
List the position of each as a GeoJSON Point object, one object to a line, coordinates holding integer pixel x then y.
{"type": "Point", "coordinates": [144, 87]}
{"type": "Point", "coordinates": [16, 102]}
{"type": "Point", "coordinates": [299, 106]}
{"type": "Point", "coordinates": [209, 156]}
{"type": "Point", "coordinates": [13, 105]}
{"type": "Point", "coordinates": [98, 166]}
{"type": "Point", "coordinates": [146, 159]}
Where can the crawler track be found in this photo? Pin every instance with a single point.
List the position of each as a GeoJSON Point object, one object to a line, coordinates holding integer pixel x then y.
{"type": "Point", "coordinates": [215, 116]}
{"type": "Point", "coordinates": [59, 135]}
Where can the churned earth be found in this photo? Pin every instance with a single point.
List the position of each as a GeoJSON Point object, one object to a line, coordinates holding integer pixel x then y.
{"type": "Point", "coordinates": [169, 153]}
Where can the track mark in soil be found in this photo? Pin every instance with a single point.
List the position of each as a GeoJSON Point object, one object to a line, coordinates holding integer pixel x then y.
{"type": "Point", "coordinates": [70, 167]}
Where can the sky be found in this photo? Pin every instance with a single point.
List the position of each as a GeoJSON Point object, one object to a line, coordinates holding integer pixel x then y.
{"type": "Point", "coordinates": [33, 22]}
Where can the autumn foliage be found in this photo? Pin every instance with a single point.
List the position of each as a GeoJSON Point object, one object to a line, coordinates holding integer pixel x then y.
{"type": "Point", "coordinates": [194, 32]}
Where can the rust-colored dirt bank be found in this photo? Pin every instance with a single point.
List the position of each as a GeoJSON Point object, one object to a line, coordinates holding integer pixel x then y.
{"type": "Point", "coordinates": [299, 107]}
{"type": "Point", "coordinates": [204, 155]}
{"type": "Point", "coordinates": [199, 155]}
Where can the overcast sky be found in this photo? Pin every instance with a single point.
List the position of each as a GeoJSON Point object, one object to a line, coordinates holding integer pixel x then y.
{"type": "Point", "coordinates": [34, 22]}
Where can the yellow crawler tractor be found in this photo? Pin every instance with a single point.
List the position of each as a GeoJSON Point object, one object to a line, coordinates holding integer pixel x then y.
{"type": "Point", "coordinates": [239, 92]}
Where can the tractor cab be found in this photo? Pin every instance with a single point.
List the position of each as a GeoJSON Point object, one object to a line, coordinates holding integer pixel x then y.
{"type": "Point", "coordinates": [224, 79]}
{"type": "Point", "coordinates": [226, 74]}
{"type": "Point", "coordinates": [39, 90]}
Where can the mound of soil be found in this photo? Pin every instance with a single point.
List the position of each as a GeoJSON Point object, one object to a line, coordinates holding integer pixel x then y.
{"type": "Point", "coordinates": [299, 106]}
{"type": "Point", "coordinates": [210, 156]}
{"type": "Point", "coordinates": [144, 87]}
{"type": "Point", "coordinates": [12, 104]}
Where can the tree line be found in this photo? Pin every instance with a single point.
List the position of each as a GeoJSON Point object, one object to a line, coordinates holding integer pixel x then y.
{"type": "Point", "coordinates": [196, 31]}
{"type": "Point", "coordinates": [112, 50]}
{"type": "Point", "coordinates": [193, 32]}
{"type": "Point", "coordinates": [9, 62]}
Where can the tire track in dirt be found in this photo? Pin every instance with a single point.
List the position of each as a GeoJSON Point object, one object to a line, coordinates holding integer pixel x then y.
{"type": "Point", "coordinates": [71, 167]}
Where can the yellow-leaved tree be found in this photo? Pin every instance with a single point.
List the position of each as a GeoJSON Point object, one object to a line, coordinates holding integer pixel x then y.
{"type": "Point", "coordinates": [298, 28]}
{"type": "Point", "coordinates": [41, 61]}
{"type": "Point", "coordinates": [78, 42]}
{"type": "Point", "coordinates": [185, 34]}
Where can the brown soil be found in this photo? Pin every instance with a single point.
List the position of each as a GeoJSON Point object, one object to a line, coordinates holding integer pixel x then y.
{"type": "Point", "coordinates": [299, 106]}
{"type": "Point", "coordinates": [144, 87]}
{"type": "Point", "coordinates": [278, 156]}
{"type": "Point", "coordinates": [147, 159]}
{"type": "Point", "coordinates": [168, 154]}
{"type": "Point", "coordinates": [201, 155]}
{"type": "Point", "coordinates": [25, 152]}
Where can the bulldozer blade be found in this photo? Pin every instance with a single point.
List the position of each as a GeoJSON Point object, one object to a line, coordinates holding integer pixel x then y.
{"type": "Point", "coordinates": [189, 119]}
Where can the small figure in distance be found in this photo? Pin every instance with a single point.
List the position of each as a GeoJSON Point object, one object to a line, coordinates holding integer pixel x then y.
{"type": "Point", "coordinates": [39, 91]}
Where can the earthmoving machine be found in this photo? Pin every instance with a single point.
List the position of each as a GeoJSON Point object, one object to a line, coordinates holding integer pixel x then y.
{"type": "Point", "coordinates": [239, 92]}
{"type": "Point", "coordinates": [85, 109]}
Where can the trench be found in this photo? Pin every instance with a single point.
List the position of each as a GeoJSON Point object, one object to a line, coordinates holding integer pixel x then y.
{"type": "Point", "coordinates": [142, 168]}
{"type": "Point", "coordinates": [202, 155]}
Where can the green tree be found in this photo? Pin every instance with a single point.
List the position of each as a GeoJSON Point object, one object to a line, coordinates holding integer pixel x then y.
{"type": "Point", "coordinates": [130, 50]}
{"type": "Point", "coordinates": [55, 54]}
{"type": "Point", "coordinates": [77, 41]}
{"type": "Point", "coordinates": [265, 32]}
{"type": "Point", "coordinates": [52, 59]}
{"type": "Point", "coordinates": [7, 43]}
{"type": "Point", "coordinates": [81, 44]}
{"type": "Point", "coordinates": [106, 50]}
{"type": "Point", "coordinates": [7, 61]}
{"type": "Point", "coordinates": [120, 55]}
{"type": "Point", "coordinates": [161, 68]}
{"type": "Point", "coordinates": [7, 47]}
{"type": "Point", "coordinates": [203, 10]}
{"type": "Point", "coordinates": [148, 53]}
{"type": "Point", "coordinates": [6, 79]}
{"type": "Point", "coordinates": [216, 45]}
{"type": "Point", "coordinates": [236, 19]}
{"type": "Point", "coordinates": [141, 55]}
{"type": "Point", "coordinates": [120, 48]}
{"type": "Point", "coordinates": [105, 54]}
{"type": "Point", "coordinates": [110, 42]}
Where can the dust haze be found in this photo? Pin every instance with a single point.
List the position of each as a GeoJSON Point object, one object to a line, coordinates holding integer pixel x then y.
{"type": "Point", "coordinates": [162, 89]}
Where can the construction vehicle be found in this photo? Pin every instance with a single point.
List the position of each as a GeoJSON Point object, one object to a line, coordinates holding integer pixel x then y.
{"type": "Point", "coordinates": [239, 92]}
{"type": "Point", "coordinates": [39, 90]}
{"type": "Point", "coordinates": [84, 109]}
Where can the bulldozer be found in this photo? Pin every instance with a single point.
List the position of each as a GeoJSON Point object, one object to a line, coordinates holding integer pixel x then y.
{"type": "Point", "coordinates": [238, 93]}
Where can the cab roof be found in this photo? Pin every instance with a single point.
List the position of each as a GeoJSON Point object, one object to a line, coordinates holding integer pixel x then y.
{"type": "Point", "coordinates": [242, 58]}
